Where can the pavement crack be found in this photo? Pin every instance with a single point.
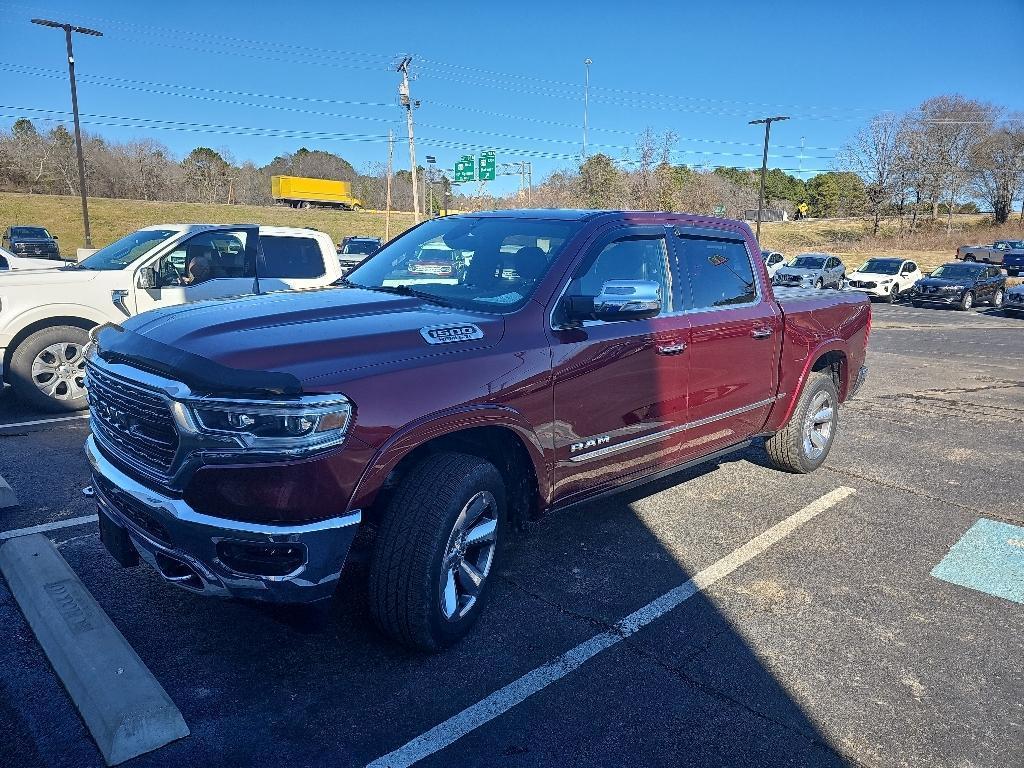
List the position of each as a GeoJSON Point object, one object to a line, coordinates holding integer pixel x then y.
{"type": "Point", "coordinates": [918, 492]}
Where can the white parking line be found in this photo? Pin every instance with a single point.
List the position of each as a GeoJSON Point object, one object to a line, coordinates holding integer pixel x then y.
{"type": "Point", "coordinates": [44, 421]}
{"type": "Point", "coordinates": [69, 523]}
{"type": "Point", "coordinates": [502, 700]}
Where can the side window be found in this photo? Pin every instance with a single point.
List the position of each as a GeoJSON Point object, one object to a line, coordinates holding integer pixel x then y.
{"type": "Point", "coordinates": [719, 272]}
{"type": "Point", "coordinates": [295, 257]}
{"type": "Point", "coordinates": [629, 258]}
{"type": "Point", "coordinates": [206, 256]}
{"type": "Point", "coordinates": [832, 263]}
{"type": "Point", "coordinates": [3, 262]}
{"type": "Point", "coordinates": [910, 267]}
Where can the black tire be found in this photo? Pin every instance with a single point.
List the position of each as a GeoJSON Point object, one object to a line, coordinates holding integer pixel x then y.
{"type": "Point", "coordinates": [968, 258]}
{"type": "Point", "coordinates": [894, 294]}
{"type": "Point", "coordinates": [786, 448]}
{"type": "Point", "coordinates": [412, 542]}
{"type": "Point", "coordinates": [966, 301]}
{"type": "Point", "coordinates": [997, 298]}
{"type": "Point", "coordinates": [20, 375]}
{"type": "Point", "coordinates": [818, 283]}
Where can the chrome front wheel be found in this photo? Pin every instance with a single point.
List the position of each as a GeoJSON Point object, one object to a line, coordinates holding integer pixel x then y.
{"type": "Point", "coordinates": [469, 555]}
{"type": "Point", "coordinates": [58, 371]}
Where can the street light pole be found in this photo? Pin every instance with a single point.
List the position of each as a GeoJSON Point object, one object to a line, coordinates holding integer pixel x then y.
{"type": "Point", "coordinates": [68, 29]}
{"type": "Point", "coordinates": [586, 104]}
{"type": "Point", "coordinates": [767, 122]}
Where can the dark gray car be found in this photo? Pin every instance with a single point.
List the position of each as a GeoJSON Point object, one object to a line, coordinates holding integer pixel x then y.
{"type": "Point", "coordinates": [812, 270]}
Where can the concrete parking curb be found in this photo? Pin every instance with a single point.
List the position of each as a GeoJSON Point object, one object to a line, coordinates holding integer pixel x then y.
{"type": "Point", "coordinates": [125, 708]}
{"type": "Point", "coordinates": [8, 498]}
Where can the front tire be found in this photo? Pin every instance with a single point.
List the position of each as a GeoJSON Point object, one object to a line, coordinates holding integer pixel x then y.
{"type": "Point", "coordinates": [894, 294]}
{"type": "Point", "coordinates": [804, 443]}
{"type": "Point", "coordinates": [966, 302]}
{"type": "Point", "coordinates": [48, 369]}
{"type": "Point", "coordinates": [436, 549]}
{"type": "Point", "coordinates": [818, 283]}
{"type": "Point", "coordinates": [997, 298]}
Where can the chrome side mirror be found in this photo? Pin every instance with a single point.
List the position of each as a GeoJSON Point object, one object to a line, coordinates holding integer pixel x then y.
{"type": "Point", "coordinates": [618, 300]}
{"type": "Point", "coordinates": [147, 278]}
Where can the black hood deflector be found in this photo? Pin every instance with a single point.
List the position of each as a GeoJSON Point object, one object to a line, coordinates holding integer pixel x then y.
{"type": "Point", "coordinates": [204, 376]}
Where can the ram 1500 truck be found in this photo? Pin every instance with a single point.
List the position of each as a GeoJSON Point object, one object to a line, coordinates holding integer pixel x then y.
{"type": "Point", "coordinates": [239, 446]}
{"type": "Point", "coordinates": [45, 317]}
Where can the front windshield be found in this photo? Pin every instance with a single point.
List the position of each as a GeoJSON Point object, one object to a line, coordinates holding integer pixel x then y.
{"type": "Point", "coordinates": [488, 264]}
{"type": "Point", "coordinates": [29, 232]}
{"type": "Point", "coordinates": [956, 272]}
{"type": "Point", "coordinates": [808, 262]}
{"type": "Point", "coordinates": [123, 252]}
{"type": "Point", "coordinates": [360, 246]}
{"type": "Point", "coordinates": [881, 267]}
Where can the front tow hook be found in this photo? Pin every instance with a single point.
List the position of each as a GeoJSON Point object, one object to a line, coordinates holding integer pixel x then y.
{"type": "Point", "coordinates": [88, 492]}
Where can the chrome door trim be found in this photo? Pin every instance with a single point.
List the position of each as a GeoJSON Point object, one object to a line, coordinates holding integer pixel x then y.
{"type": "Point", "coordinates": [638, 441]}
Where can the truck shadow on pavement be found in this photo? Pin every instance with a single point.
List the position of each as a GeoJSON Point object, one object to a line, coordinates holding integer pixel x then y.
{"type": "Point", "coordinates": [318, 685]}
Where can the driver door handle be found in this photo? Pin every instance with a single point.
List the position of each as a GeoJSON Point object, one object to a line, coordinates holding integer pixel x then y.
{"type": "Point", "coordinates": [672, 349]}
{"type": "Point", "coordinates": [761, 333]}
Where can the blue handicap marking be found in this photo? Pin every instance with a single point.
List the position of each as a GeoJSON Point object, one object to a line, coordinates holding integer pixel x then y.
{"type": "Point", "coordinates": [989, 558]}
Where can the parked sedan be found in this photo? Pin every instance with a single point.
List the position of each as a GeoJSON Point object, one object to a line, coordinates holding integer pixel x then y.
{"type": "Point", "coordinates": [353, 251]}
{"type": "Point", "coordinates": [961, 285]}
{"type": "Point", "coordinates": [812, 270]}
{"type": "Point", "coordinates": [884, 278]}
{"type": "Point", "coordinates": [1013, 301]}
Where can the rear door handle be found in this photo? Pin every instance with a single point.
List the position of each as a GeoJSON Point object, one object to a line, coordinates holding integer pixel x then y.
{"type": "Point", "coordinates": [672, 349]}
{"type": "Point", "coordinates": [761, 333]}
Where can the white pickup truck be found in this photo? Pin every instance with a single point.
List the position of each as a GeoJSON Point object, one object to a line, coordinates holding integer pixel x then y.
{"type": "Point", "coordinates": [45, 317]}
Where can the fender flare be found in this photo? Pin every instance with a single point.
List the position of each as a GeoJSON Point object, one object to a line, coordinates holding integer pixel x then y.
{"type": "Point", "coordinates": [823, 348]}
{"type": "Point", "coordinates": [447, 422]}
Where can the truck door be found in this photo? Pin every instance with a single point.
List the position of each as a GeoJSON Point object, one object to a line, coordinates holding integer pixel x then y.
{"type": "Point", "coordinates": [735, 339]}
{"type": "Point", "coordinates": [619, 387]}
{"type": "Point", "coordinates": [209, 265]}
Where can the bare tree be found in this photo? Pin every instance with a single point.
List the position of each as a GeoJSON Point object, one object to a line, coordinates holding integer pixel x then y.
{"type": "Point", "coordinates": [875, 154]}
{"type": "Point", "coordinates": [997, 164]}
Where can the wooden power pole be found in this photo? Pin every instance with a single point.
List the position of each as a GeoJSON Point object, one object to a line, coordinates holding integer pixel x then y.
{"type": "Point", "coordinates": [409, 104]}
{"type": "Point", "coordinates": [387, 204]}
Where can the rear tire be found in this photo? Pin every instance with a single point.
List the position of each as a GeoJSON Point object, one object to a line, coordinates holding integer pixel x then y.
{"type": "Point", "coordinates": [804, 443]}
{"type": "Point", "coordinates": [48, 369]}
{"type": "Point", "coordinates": [421, 594]}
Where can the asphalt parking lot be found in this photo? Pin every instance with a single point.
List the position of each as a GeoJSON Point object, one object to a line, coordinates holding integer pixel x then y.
{"type": "Point", "coordinates": [834, 646]}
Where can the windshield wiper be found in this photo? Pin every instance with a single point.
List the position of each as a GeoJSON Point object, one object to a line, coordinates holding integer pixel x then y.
{"type": "Point", "coordinates": [399, 290]}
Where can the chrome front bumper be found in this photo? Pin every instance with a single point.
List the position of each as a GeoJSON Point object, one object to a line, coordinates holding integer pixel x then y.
{"type": "Point", "coordinates": [185, 551]}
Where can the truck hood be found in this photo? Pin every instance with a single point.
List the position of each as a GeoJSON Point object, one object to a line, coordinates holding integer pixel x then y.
{"type": "Point", "coordinates": [46, 277]}
{"type": "Point", "coordinates": [321, 337]}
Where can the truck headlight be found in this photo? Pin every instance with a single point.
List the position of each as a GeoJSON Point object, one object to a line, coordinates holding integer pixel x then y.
{"type": "Point", "coordinates": [309, 424]}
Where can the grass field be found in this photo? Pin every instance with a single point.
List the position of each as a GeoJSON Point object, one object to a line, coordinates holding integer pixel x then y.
{"type": "Point", "coordinates": [849, 239]}
{"type": "Point", "coordinates": [111, 219]}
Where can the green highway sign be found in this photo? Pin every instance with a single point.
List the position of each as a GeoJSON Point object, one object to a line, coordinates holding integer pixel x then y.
{"type": "Point", "coordinates": [465, 169]}
{"type": "Point", "coordinates": [720, 211]}
{"type": "Point", "coordinates": [487, 166]}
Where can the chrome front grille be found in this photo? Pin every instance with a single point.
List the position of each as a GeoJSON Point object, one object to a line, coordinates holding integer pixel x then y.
{"type": "Point", "coordinates": [133, 421]}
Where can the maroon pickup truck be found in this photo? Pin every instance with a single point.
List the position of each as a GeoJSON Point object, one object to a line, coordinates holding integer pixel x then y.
{"type": "Point", "coordinates": [239, 446]}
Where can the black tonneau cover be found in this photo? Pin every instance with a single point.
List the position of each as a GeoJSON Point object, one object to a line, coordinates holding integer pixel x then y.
{"type": "Point", "coordinates": [204, 376]}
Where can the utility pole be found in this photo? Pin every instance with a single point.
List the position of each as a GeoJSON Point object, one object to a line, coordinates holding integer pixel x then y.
{"type": "Point", "coordinates": [586, 104]}
{"type": "Point", "coordinates": [767, 122]}
{"type": "Point", "coordinates": [409, 104]}
{"type": "Point", "coordinates": [387, 203]}
{"type": "Point", "coordinates": [68, 29]}
{"type": "Point", "coordinates": [431, 174]}
{"type": "Point", "coordinates": [529, 182]}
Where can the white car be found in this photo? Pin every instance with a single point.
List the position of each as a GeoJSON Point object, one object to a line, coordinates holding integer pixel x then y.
{"type": "Point", "coordinates": [11, 263]}
{"type": "Point", "coordinates": [884, 277]}
{"type": "Point", "coordinates": [773, 262]}
{"type": "Point", "coordinates": [45, 316]}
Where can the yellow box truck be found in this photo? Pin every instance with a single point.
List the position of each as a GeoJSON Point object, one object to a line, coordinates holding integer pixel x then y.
{"type": "Point", "coordinates": [303, 192]}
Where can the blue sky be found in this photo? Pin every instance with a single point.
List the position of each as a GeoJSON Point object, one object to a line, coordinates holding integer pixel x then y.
{"type": "Point", "coordinates": [257, 79]}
